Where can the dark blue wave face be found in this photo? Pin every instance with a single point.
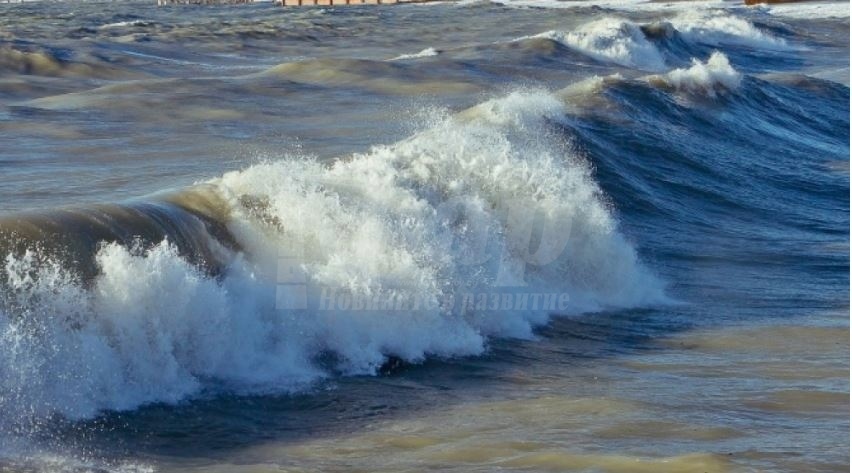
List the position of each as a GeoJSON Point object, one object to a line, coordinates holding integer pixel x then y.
{"type": "Point", "coordinates": [740, 201]}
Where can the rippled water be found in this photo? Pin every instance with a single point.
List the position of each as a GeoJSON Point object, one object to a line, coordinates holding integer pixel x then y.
{"type": "Point", "coordinates": [195, 201]}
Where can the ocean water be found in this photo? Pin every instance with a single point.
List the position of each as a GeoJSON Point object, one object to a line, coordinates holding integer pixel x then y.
{"type": "Point", "coordinates": [531, 235]}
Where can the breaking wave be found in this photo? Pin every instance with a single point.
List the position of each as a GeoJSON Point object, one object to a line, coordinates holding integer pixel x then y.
{"type": "Point", "coordinates": [428, 52]}
{"type": "Point", "coordinates": [648, 46]}
{"type": "Point", "coordinates": [717, 27]}
{"type": "Point", "coordinates": [490, 201]}
{"type": "Point", "coordinates": [612, 39]}
{"type": "Point", "coordinates": [707, 77]}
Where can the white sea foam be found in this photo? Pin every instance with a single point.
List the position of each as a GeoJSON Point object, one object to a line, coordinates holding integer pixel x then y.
{"type": "Point", "coordinates": [611, 39]}
{"type": "Point", "coordinates": [121, 24]}
{"type": "Point", "coordinates": [824, 9]}
{"type": "Point", "coordinates": [717, 73]}
{"type": "Point", "coordinates": [717, 27]}
{"type": "Point", "coordinates": [623, 42]}
{"type": "Point", "coordinates": [450, 211]}
{"type": "Point", "coordinates": [809, 10]}
{"type": "Point", "coordinates": [626, 5]}
{"type": "Point", "coordinates": [150, 328]}
{"type": "Point", "coordinates": [424, 53]}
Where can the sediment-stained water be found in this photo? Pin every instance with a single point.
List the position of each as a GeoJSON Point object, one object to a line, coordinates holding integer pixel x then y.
{"type": "Point", "coordinates": [457, 236]}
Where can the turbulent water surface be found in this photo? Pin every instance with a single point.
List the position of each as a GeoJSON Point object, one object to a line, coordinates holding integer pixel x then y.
{"type": "Point", "coordinates": [530, 235]}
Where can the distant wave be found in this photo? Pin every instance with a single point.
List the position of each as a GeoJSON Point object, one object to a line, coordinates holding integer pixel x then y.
{"type": "Point", "coordinates": [809, 10]}
{"type": "Point", "coordinates": [424, 53]}
{"type": "Point", "coordinates": [612, 39]}
{"type": "Point", "coordinates": [717, 27]}
{"type": "Point", "coordinates": [41, 60]}
{"type": "Point", "coordinates": [706, 77]}
{"type": "Point", "coordinates": [630, 44]}
{"type": "Point", "coordinates": [822, 9]}
{"type": "Point", "coordinates": [120, 24]}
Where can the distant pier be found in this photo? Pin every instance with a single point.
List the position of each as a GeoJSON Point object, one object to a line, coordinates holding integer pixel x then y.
{"type": "Point", "coordinates": [291, 3]}
{"type": "Point", "coordinates": [202, 2]}
{"type": "Point", "coordinates": [300, 3]}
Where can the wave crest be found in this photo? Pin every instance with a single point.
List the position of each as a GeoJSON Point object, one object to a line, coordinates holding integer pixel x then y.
{"type": "Point", "coordinates": [716, 28]}
{"type": "Point", "coordinates": [611, 39]}
{"type": "Point", "coordinates": [708, 77]}
{"type": "Point", "coordinates": [646, 47]}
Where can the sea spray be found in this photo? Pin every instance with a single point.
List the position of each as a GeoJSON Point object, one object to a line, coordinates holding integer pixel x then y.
{"type": "Point", "coordinates": [489, 201]}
